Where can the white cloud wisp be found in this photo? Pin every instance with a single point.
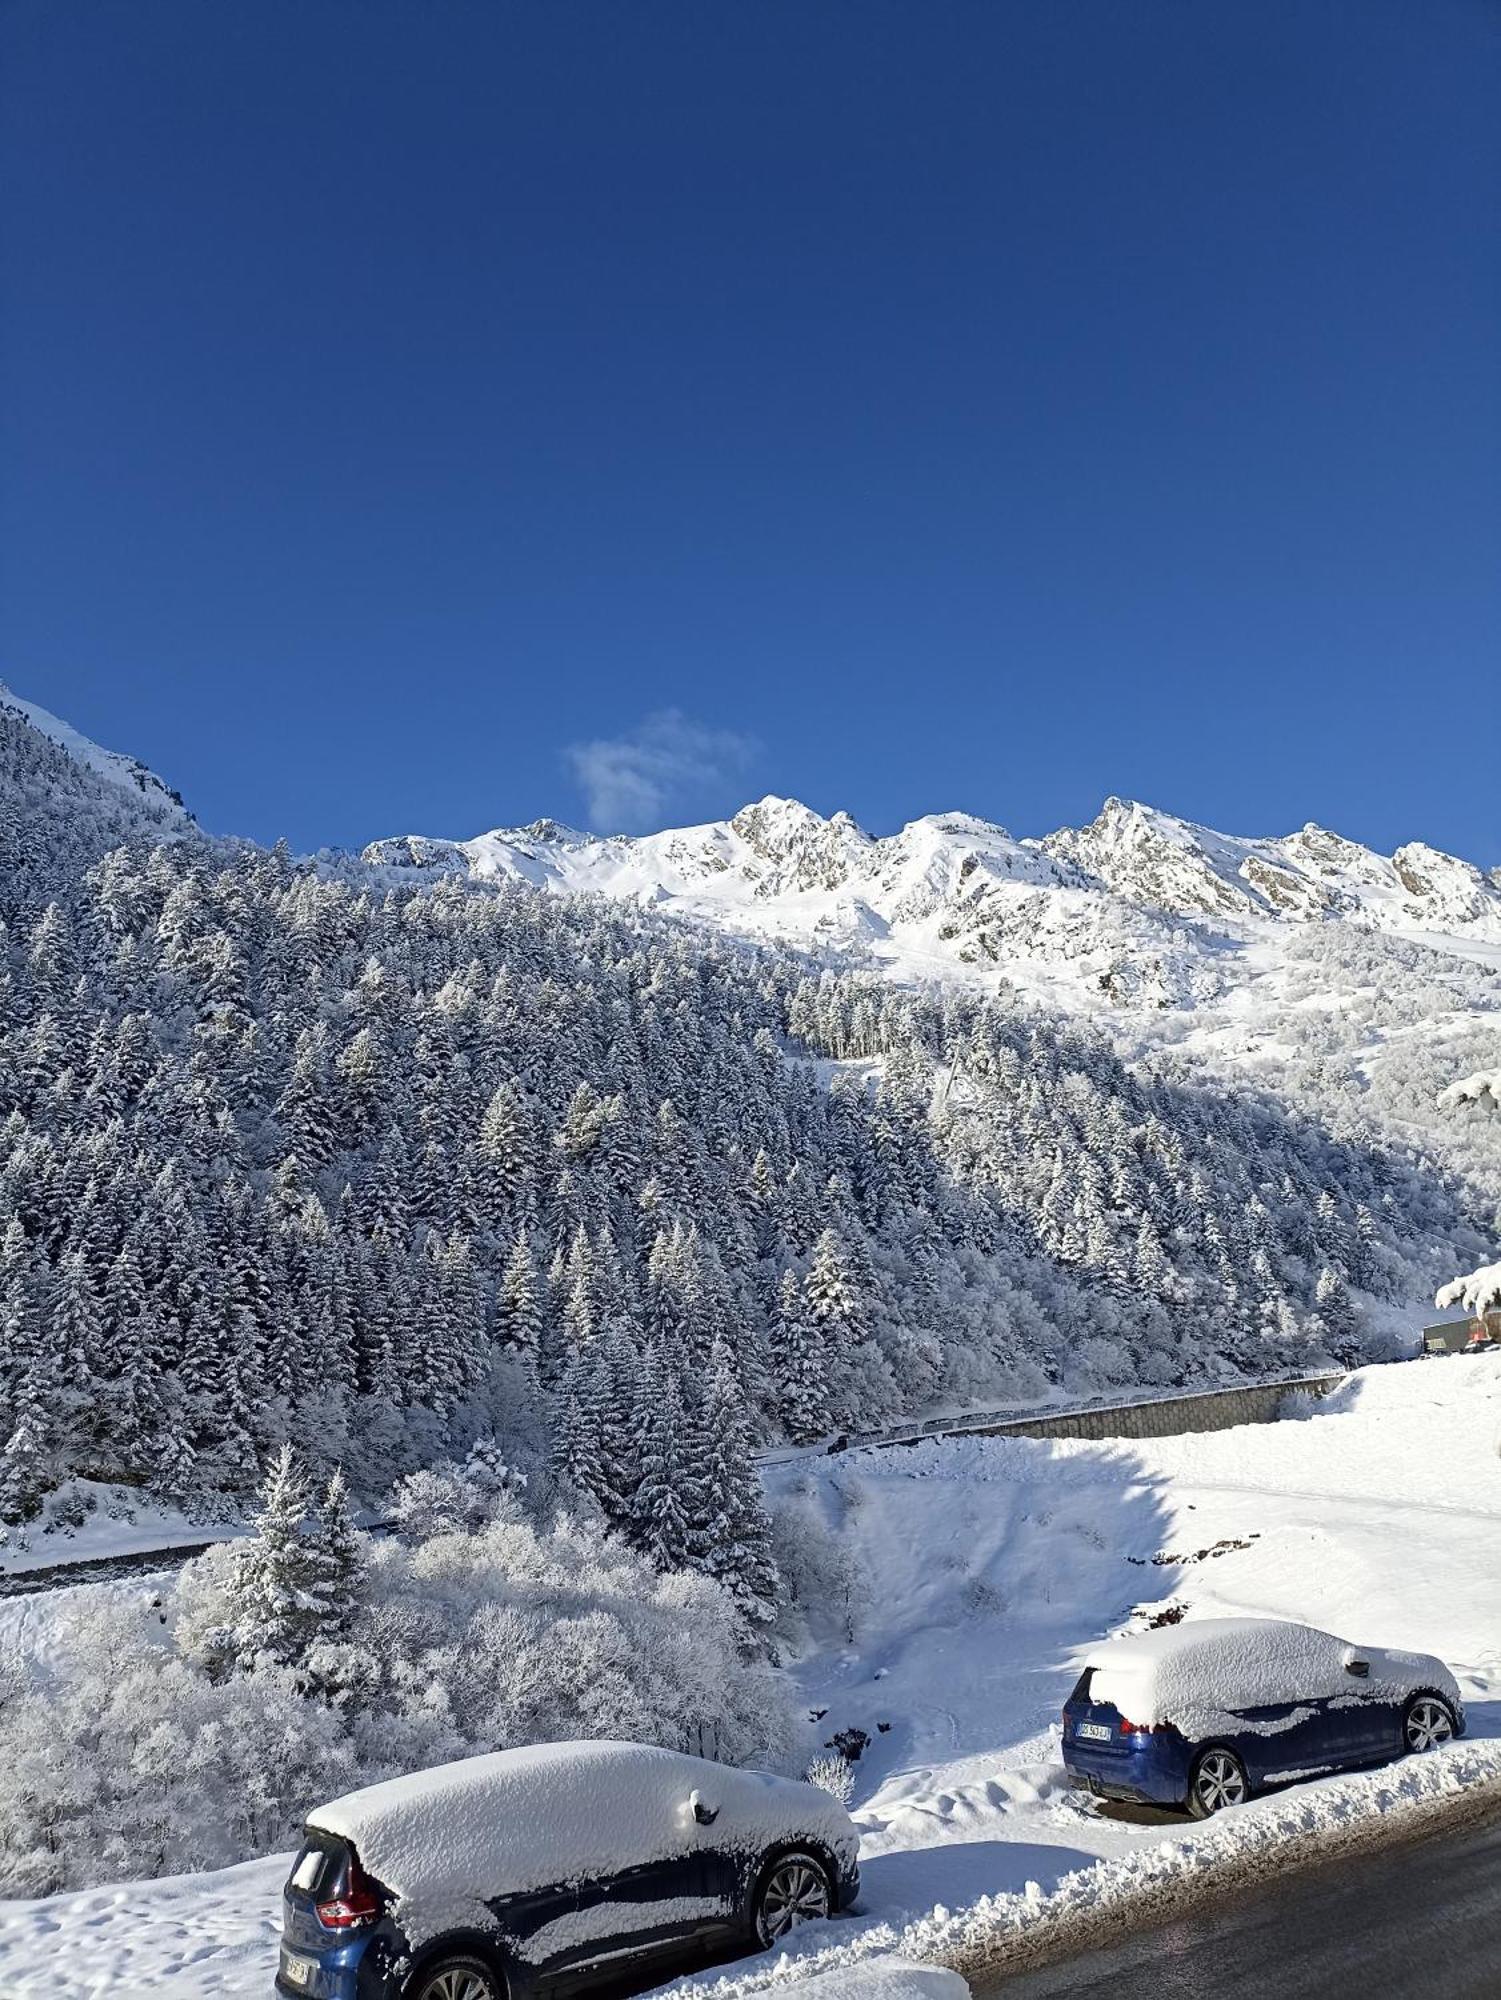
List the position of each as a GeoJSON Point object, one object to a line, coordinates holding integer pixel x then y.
{"type": "Point", "coordinates": [630, 781]}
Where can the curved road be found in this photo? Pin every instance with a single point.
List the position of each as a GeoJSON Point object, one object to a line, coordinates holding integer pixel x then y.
{"type": "Point", "coordinates": [1420, 1921]}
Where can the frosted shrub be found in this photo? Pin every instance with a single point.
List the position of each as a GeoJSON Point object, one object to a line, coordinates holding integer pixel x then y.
{"type": "Point", "coordinates": [156, 1748]}
{"type": "Point", "coordinates": [532, 1635]}
{"type": "Point", "coordinates": [134, 1763]}
{"type": "Point", "coordinates": [833, 1775]}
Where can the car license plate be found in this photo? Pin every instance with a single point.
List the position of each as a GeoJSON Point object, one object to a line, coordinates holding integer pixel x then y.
{"type": "Point", "coordinates": [1095, 1731]}
{"type": "Point", "coordinates": [298, 1971]}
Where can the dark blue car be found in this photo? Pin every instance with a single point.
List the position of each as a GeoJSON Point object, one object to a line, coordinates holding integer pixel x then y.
{"type": "Point", "coordinates": [551, 1869]}
{"type": "Point", "coordinates": [1204, 1714]}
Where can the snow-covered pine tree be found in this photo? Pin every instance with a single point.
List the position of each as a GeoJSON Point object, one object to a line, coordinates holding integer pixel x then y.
{"type": "Point", "coordinates": [799, 1365]}
{"type": "Point", "coordinates": [832, 1299]}
{"type": "Point", "coordinates": [666, 1496]}
{"type": "Point", "coordinates": [518, 1314]}
{"type": "Point", "coordinates": [730, 1537]}
{"type": "Point", "coordinates": [279, 1601]}
{"type": "Point", "coordinates": [337, 1559]}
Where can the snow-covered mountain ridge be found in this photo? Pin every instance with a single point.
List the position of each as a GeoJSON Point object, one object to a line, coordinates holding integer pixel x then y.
{"type": "Point", "coordinates": [1139, 902]}
{"type": "Point", "coordinates": [129, 774]}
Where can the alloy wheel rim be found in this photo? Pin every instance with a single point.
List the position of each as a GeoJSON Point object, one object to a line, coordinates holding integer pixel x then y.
{"type": "Point", "coordinates": [1428, 1725]}
{"type": "Point", "coordinates": [794, 1894]}
{"type": "Point", "coordinates": [458, 1982]}
{"type": "Point", "coordinates": [1220, 1782]}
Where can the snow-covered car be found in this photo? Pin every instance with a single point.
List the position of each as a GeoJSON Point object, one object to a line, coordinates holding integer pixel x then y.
{"type": "Point", "coordinates": [1205, 1713]}
{"type": "Point", "coordinates": [552, 1868]}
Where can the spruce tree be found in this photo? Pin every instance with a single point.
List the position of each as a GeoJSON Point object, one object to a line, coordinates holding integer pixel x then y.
{"type": "Point", "coordinates": [799, 1365]}
{"type": "Point", "coordinates": [733, 1542]}
{"type": "Point", "coordinates": [278, 1595]}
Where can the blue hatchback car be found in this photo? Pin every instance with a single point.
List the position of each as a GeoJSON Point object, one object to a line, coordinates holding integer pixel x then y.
{"type": "Point", "coordinates": [548, 1870]}
{"type": "Point", "coordinates": [1204, 1714]}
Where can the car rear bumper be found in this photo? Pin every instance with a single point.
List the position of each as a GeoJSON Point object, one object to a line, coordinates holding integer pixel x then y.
{"type": "Point", "coordinates": [1152, 1774]}
{"type": "Point", "coordinates": [342, 1972]}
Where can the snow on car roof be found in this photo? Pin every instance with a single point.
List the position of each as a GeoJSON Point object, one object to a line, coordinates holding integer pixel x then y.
{"type": "Point", "coordinates": [561, 1812]}
{"type": "Point", "coordinates": [1192, 1674]}
{"type": "Point", "coordinates": [1192, 1635]}
{"type": "Point", "coordinates": [511, 1819]}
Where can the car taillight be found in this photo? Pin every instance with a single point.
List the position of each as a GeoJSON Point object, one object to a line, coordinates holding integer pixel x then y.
{"type": "Point", "coordinates": [1141, 1728]}
{"type": "Point", "coordinates": [353, 1906]}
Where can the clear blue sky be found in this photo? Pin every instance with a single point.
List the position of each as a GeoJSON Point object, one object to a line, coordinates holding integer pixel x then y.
{"type": "Point", "coordinates": [987, 405]}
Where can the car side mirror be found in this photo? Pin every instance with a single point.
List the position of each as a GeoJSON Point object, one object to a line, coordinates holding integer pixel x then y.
{"type": "Point", "coordinates": [1360, 1668]}
{"type": "Point", "coordinates": [703, 1812]}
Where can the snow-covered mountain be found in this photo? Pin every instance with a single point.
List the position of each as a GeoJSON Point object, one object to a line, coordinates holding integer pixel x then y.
{"type": "Point", "coordinates": [128, 774]}
{"type": "Point", "coordinates": [1139, 906]}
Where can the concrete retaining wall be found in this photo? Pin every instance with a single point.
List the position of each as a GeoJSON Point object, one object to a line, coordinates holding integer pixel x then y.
{"type": "Point", "coordinates": [1166, 1416]}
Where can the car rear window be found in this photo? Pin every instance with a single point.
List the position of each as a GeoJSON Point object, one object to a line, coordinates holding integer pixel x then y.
{"type": "Point", "coordinates": [320, 1866]}
{"type": "Point", "coordinates": [1081, 1686]}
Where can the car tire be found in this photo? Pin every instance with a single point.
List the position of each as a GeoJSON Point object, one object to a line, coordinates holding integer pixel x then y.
{"type": "Point", "coordinates": [1427, 1722]}
{"type": "Point", "coordinates": [793, 1888]}
{"type": "Point", "coordinates": [460, 1976]}
{"type": "Point", "coordinates": [1218, 1779]}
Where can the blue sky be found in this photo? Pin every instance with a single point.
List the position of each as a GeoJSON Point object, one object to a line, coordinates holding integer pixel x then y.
{"type": "Point", "coordinates": [429, 416]}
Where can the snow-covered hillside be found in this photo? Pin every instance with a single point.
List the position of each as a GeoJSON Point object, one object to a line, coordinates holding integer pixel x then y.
{"type": "Point", "coordinates": [1136, 908]}
{"type": "Point", "coordinates": [1352, 981]}
{"type": "Point", "coordinates": [986, 1567]}
{"type": "Point", "coordinates": [162, 805]}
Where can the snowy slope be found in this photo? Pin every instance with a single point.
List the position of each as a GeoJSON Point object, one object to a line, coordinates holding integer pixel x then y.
{"type": "Point", "coordinates": [1137, 908]}
{"type": "Point", "coordinates": [993, 1564]}
{"type": "Point", "coordinates": [996, 1562]}
{"type": "Point", "coordinates": [127, 774]}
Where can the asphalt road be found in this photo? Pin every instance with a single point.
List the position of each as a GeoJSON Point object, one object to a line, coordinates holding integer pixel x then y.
{"type": "Point", "coordinates": [1421, 1921]}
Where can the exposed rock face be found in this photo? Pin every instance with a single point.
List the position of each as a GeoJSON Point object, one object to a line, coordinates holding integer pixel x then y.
{"type": "Point", "coordinates": [415, 851]}
{"type": "Point", "coordinates": [799, 849]}
{"type": "Point", "coordinates": [1444, 890]}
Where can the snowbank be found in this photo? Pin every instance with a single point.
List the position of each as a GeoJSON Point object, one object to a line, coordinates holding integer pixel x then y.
{"type": "Point", "coordinates": [1168, 1874]}
{"type": "Point", "coordinates": [884, 1979]}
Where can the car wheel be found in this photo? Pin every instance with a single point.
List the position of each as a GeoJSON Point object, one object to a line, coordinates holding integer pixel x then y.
{"type": "Point", "coordinates": [794, 1889]}
{"type": "Point", "coordinates": [1219, 1779]}
{"type": "Point", "coordinates": [460, 1978]}
{"type": "Point", "coordinates": [1427, 1723]}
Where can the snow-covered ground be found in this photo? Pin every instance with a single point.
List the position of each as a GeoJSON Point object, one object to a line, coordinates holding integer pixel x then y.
{"type": "Point", "coordinates": [994, 1562]}
{"type": "Point", "coordinates": [114, 1521]}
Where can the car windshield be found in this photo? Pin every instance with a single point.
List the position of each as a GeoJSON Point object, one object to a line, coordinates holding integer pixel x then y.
{"type": "Point", "coordinates": [1081, 1686]}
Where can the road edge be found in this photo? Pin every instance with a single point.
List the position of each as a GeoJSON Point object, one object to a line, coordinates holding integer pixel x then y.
{"type": "Point", "coordinates": [1145, 1906]}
